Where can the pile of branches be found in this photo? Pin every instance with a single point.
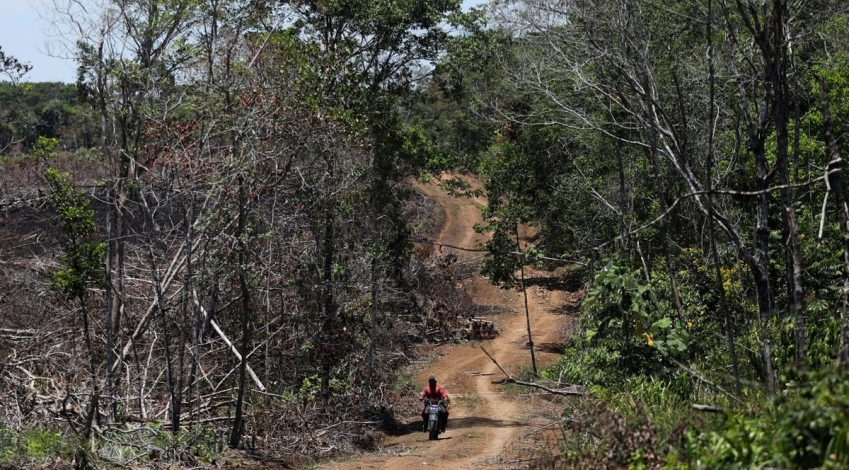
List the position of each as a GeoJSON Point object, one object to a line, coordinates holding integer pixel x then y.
{"type": "Point", "coordinates": [446, 308]}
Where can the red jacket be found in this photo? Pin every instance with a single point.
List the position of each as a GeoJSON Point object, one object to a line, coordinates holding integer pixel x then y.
{"type": "Point", "coordinates": [437, 394]}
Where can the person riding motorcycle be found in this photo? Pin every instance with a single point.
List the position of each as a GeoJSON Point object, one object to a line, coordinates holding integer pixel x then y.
{"type": "Point", "coordinates": [435, 392]}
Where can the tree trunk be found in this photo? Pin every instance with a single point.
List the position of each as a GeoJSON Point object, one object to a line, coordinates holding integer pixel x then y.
{"type": "Point", "coordinates": [756, 122]}
{"type": "Point", "coordinates": [662, 232]}
{"type": "Point", "coordinates": [723, 302]}
{"type": "Point", "coordinates": [763, 289]}
{"type": "Point", "coordinates": [371, 333]}
{"type": "Point", "coordinates": [527, 311]}
{"type": "Point", "coordinates": [166, 345]}
{"type": "Point", "coordinates": [770, 383]}
{"type": "Point", "coordinates": [775, 57]}
{"type": "Point", "coordinates": [112, 234]}
{"type": "Point", "coordinates": [834, 183]}
{"type": "Point", "coordinates": [238, 421]}
{"type": "Point", "coordinates": [327, 346]}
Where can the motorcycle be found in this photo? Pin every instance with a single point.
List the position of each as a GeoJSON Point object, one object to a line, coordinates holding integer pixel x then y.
{"type": "Point", "coordinates": [435, 425]}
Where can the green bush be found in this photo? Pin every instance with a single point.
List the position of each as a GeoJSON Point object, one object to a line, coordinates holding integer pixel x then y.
{"type": "Point", "coordinates": [30, 446]}
{"type": "Point", "coordinates": [624, 430]}
{"type": "Point", "coordinates": [807, 428]}
{"type": "Point", "coordinates": [624, 311]}
{"type": "Point", "coordinates": [626, 333]}
{"type": "Point", "coordinates": [582, 364]}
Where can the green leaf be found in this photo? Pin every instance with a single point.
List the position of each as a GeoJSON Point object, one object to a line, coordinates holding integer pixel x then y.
{"type": "Point", "coordinates": [662, 324]}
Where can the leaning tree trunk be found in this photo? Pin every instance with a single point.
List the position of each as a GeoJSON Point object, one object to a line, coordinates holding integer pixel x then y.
{"type": "Point", "coordinates": [756, 123]}
{"type": "Point", "coordinates": [525, 295]}
{"type": "Point", "coordinates": [649, 107]}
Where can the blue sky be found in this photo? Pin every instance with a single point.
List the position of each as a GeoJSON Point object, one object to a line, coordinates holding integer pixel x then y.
{"type": "Point", "coordinates": [23, 34]}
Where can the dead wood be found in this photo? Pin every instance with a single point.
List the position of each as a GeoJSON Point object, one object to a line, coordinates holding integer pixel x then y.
{"type": "Point", "coordinates": [229, 344]}
{"type": "Point", "coordinates": [511, 380]}
{"type": "Point", "coordinates": [708, 408]}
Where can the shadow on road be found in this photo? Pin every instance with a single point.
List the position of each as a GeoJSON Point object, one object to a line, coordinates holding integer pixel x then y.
{"type": "Point", "coordinates": [570, 284]}
{"type": "Point", "coordinates": [568, 310]}
{"type": "Point", "coordinates": [456, 424]}
{"type": "Point", "coordinates": [553, 348]}
{"type": "Point", "coordinates": [480, 421]}
{"type": "Point", "coordinates": [409, 428]}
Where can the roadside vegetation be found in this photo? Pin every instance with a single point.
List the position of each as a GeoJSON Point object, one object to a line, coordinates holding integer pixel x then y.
{"type": "Point", "coordinates": [684, 162]}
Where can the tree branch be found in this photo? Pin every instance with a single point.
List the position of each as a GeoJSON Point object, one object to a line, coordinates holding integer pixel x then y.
{"type": "Point", "coordinates": [707, 382]}
{"type": "Point", "coordinates": [511, 380]}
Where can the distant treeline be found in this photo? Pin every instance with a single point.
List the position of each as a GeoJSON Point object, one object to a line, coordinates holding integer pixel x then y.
{"type": "Point", "coordinates": [48, 109]}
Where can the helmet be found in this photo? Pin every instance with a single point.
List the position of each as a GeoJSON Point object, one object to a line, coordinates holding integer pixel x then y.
{"type": "Point", "coordinates": [432, 379]}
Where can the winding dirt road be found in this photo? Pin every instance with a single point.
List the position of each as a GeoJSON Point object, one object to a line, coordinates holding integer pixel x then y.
{"type": "Point", "coordinates": [488, 428]}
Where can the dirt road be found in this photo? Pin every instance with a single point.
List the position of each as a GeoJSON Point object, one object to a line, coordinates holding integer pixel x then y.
{"type": "Point", "coordinates": [488, 428]}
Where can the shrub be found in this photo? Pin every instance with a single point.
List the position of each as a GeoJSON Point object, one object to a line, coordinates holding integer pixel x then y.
{"type": "Point", "coordinates": [806, 428]}
{"type": "Point", "coordinates": [33, 445]}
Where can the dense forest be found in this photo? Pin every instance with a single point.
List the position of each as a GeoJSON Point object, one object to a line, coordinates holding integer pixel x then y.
{"type": "Point", "coordinates": [213, 233]}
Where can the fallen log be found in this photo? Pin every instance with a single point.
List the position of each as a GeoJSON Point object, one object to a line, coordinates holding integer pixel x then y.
{"type": "Point", "coordinates": [708, 408]}
{"type": "Point", "coordinates": [511, 380]}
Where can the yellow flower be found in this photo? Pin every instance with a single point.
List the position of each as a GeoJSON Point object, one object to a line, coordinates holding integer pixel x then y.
{"type": "Point", "coordinates": [649, 339]}
{"type": "Point", "coordinates": [689, 325]}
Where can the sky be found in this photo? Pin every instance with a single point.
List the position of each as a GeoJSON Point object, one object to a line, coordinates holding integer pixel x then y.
{"type": "Point", "coordinates": [24, 35]}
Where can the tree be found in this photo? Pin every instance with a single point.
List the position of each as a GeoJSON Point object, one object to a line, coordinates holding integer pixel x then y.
{"type": "Point", "coordinates": [607, 111]}
{"type": "Point", "coordinates": [366, 54]}
{"type": "Point", "coordinates": [14, 70]}
{"type": "Point", "coordinates": [12, 67]}
{"type": "Point", "coordinates": [82, 259]}
{"type": "Point", "coordinates": [256, 160]}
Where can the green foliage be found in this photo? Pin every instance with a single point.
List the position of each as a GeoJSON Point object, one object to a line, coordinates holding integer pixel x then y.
{"type": "Point", "coordinates": [33, 445]}
{"type": "Point", "coordinates": [471, 57]}
{"type": "Point", "coordinates": [45, 147]}
{"type": "Point", "coordinates": [40, 443]}
{"type": "Point", "coordinates": [660, 398]}
{"type": "Point", "coordinates": [500, 265]}
{"type": "Point", "coordinates": [83, 254]}
{"type": "Point", "coordinates": [51, 110]}
{"type": "Point", "coordinates": [311, 387]}
{"type": "Point", "coordinates": [586, 364]}
{"type": "Point", "coordinates": [201, 443]}
{"type": "Point", "coordinates": [835, 75]}
{"type": "Point", "coordinates": [620, 430]}
{"type": "Point", "coordinates": [153, 445]}
{"type": "Point", "coordinates": [626, 333]}
{"type": "Point", "coordinates": [625, 312]}
{"type": "Point", "coordinates": [806, 428]}
{"type": "Point", "coordinates": [516, 183]}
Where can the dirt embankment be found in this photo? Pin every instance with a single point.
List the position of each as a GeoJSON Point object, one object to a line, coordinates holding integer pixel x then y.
{"type": "Point", "coordinates": [488, 427]}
